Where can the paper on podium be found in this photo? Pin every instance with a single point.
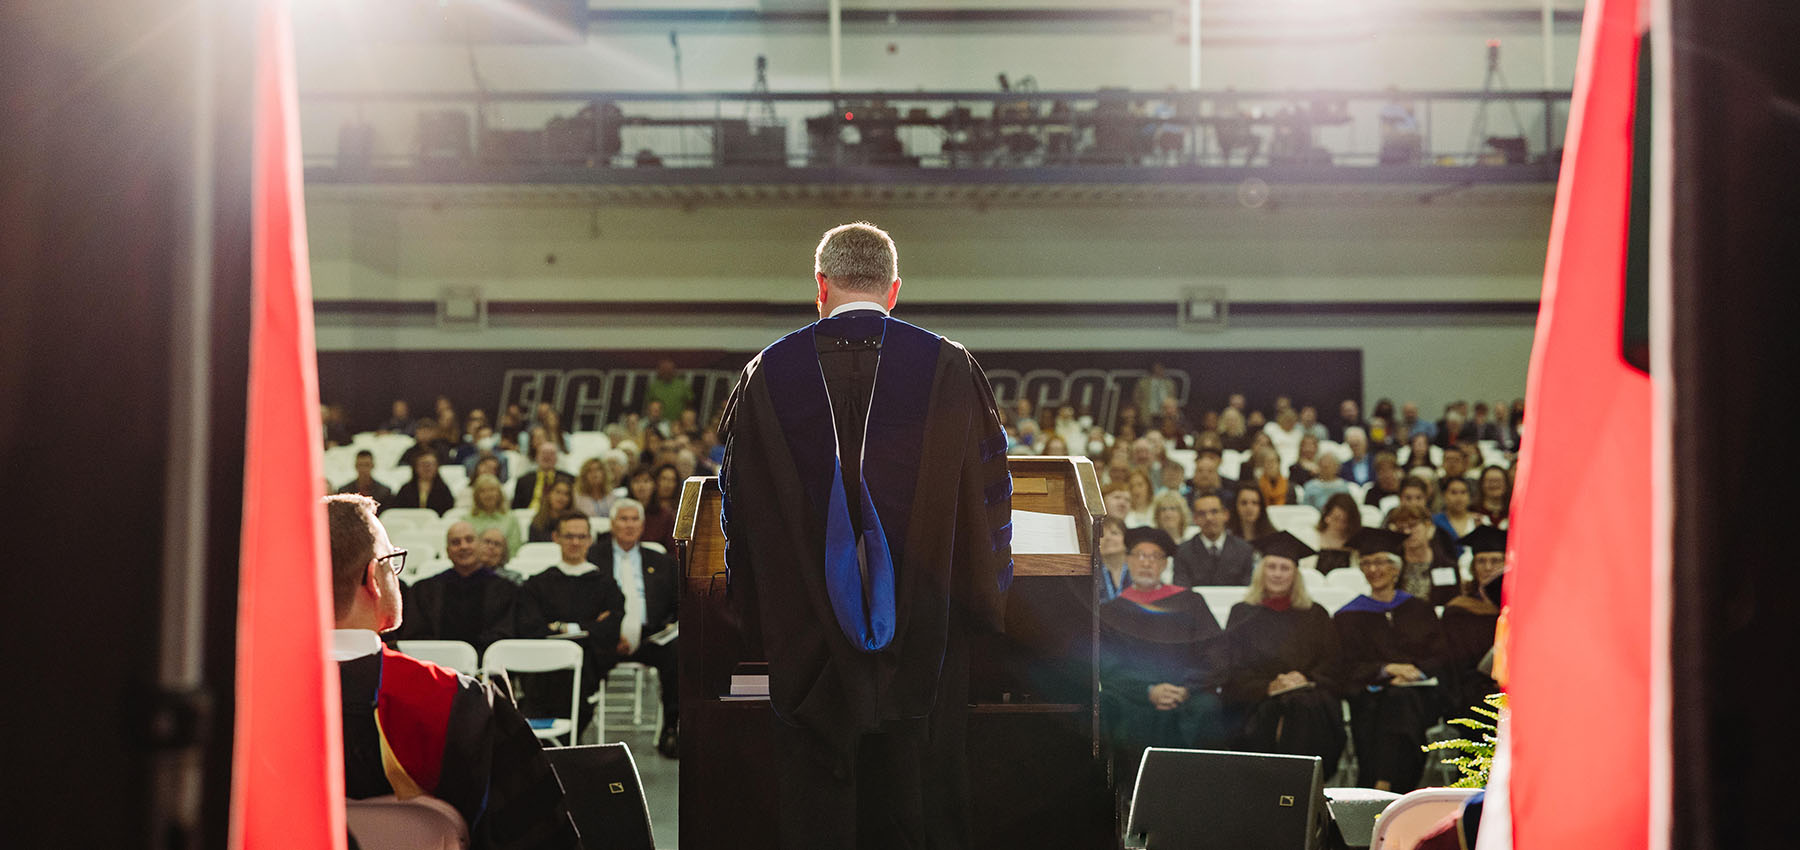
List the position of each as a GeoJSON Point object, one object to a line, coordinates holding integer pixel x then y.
{"type": "Point", "coordinates": [1037, 533]}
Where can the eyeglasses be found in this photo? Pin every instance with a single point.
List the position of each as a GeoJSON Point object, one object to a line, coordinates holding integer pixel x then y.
{"type": "Point", "coordinates": [396, 560]}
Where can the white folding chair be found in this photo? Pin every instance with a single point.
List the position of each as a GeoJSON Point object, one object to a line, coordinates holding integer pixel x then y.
{"type": "Point", "coordinates": [1220, 599]}
{"type": "Point", "coordinates": [640, 676]}
{"type": "Point", "coordinates": [456, 515]}
{"type": "Point", "coordinates": [599, 525]}
{"type": "Point", "coordinates": [1231, 462]}
{"type": "Point", "coordinates": [1308, 534]}
{"type": "Point", "coordinates": [423, 568]}
{"type": "Point", "coordinates": [534, 558]}
{"type": "Point", "coordinates": [421, 823]}
{"type": "Point", "coordinates": [1406, 820]}
{"type": "Point", "coordinates": [655, 546]}
{"type": "Point", "coordinates": [1388, 503]}
{"type": "Point", "coordinates": [1371, 516]}
{"type": "Point", "coordinates": [1349, 580]}
{"type": "Point", "coordinates": [541, 656]}
{"type": "Point", "coordinates": [1342, 451]}
{"type": "Point", "coordinates": [523, 516]}
{"type": "Point", "coordinates": [400, 520]}
{"type": "Point", "coordinates": [362, 439]}
{"type": "Point", "coordinates": [584, 445]}
{"type": "Point", "coordinates": [1332, 598]}
{"type": "Point", "coordinates": [455, 477]}
{"type": "Point", "coordinates": [420, 543]}
{"type": "Point", "coordinates": [1312, 576]}
{"type": "Point", "coordinates": [394, 477]}
{"type": "Point", "coordinates": [455, 654]}
{"type": "Point", "coordinates": [1290, 517]}
{"type": "Point", "coordinates": [1184, 457]}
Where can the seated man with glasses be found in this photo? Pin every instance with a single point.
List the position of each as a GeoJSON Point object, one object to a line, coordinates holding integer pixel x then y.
{"type": "Point", "coordinates": [412, 728]}
{"type": "Point", "coordinates": [573, 597]}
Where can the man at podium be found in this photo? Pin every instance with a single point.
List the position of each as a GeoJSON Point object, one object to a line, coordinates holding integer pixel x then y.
{"type": "Point", "coordinates": [867, 511]}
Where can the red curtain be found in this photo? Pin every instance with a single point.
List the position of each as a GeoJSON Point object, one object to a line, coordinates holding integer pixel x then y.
{"type": "Point", "coordinates": [1579, 594]}
{"type": "Point", "coordinates": [287, 772]}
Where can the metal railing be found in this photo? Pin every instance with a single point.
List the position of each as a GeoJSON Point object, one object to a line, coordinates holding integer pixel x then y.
{"type": "Point", "coordinates": [422, 135]}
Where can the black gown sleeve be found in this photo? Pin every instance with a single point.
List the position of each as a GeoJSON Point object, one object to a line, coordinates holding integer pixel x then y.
{"type": "Point", "coordinates": [984, 511]}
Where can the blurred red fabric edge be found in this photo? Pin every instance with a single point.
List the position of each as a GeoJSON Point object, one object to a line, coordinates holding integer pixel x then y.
{"type": "Point", "coordinates": [287, 771]}
{"type": "Point", "coordinates": [1579, 594]}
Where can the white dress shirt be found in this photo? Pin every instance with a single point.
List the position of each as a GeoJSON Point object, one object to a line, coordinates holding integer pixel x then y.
{"type": "Point", "coordinates": [628, 571]}
{"type": "Point", "coordinates": [859, 305]}
{"type": "Point", "coordinates": [351, 644]}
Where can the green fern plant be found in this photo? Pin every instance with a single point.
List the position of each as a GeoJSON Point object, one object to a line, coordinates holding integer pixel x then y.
{"type": "Point", "coordinates": [1474, 758]}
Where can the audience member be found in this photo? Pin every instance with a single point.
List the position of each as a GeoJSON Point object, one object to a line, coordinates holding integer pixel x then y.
{"type": "Point", "coordinates": [1360, 467]}
{"type": "Point", "coordinates": [529, 493]}
{"type": "Point", "coordinates": [1339, 521]}
{"type": "Point", "coordinates": [1310, 424]}
{"type": "Point", "coordinates": [1456, 520]}
{"type": "Point", "coordinates": [399, 419]}
{"type": "Point", "coordinates": [1213, 557]}
{"type": "Point", "coordinates": [1248, 519]}
{"type": "Point", "coordinates": [1207, 479]}
{"type": "Point", "coordinates": [665, 502]}
{"type": "Point", "coordinates": [656, 421]}
{"type": "Point", "coordinates": [1111, 576]}
{"type": "Point", "coordinates": [1137, 484]}
{"type": "Point", "coordinates": [1451, 428]}
{"type": "Point", "coordinates": [1271, 478]}
{"type": "Point", "coordinates": [487, 511]}
{"type": "Point", "coordinates": [1428, 569]}
{"type": "Point", "coordinates": [1154, 389]}
{"type": "Point", "coordinates": [572, 597]}
{"type": "Point", "coordinates": [364, 484]}
{"type": "Point", "coordinates": [669, 389]}
{"type": "Point", "coordinates": [1233, 431]}
{"type": "Point", "coordinates": [1159, 669]}
{"type": "Point", "coordinates": [495, 552]}
{"type": "Point", "coordinates": [1281, 656]}
{"type": "Point", "coordinates": [1468, 623]}
{"type": "Point", "coordinates": [1117, 498]}
{"type": "Point", "coordinates": [1496, 496]}
{"type": "Point", "coordinates": [1456, 463]}
{"type": "Point", "coordinates": [1327, 484]}
{"type": "Point", "coordinates": [1386, 482]}
{"type": "Point", "coordinates": [1349, 416]}
{"type": "Point", "coordinates": [1392, 656]}
{"type": "Point", "coordinates": [560, 500]}
{"type": "Point", "coordinates": [426, 489]}
{"type": "Point", "coordinates": [1416, 459]}
{"type": "Point", "coordinates": [1173, 482]}
{"type": "Point", "coordinates": [412, 728]}
{"type": "Point", "coordinates": [1170, 513]}
{"type": "Point", "coordinates": [651, 584]}
{"type": "Point", "coordinates": [1409, 422]}
{"type": "Point", "coordinates": [468, 602]}
{"type": "Point", "coordinates": [1416, 492]}
{"type": "Point", "coordinates": [1285, 432]}
{"type": "Point", "coordinates": [1306, 465]}
{"type": "Point", "coordinates": [427, 440]}
{"type": "Point", "coordinates": [1480, 426]}
{"type": "Point", "coordinates": [593, 490]}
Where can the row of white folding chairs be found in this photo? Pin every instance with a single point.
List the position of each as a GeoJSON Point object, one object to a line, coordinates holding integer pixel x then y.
{"type": "Point", "coordinates": [526, 655]}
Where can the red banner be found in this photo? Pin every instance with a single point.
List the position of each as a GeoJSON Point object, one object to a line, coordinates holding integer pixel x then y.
{"type": "Point", "coordinates": [287, 771]}
{"type": "Point", "coordinates": [1579, 594]}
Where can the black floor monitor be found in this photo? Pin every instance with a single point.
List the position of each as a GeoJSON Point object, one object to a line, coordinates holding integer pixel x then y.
{"type": "Point", "coordinates": [1214, 800]}
{"type": "Point", "coordinates": [605, 799]}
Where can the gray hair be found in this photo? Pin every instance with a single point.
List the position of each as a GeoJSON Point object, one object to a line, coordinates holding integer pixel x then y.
{"type": "Point", "coordinates": [1355, 431]}
{"type": "Point", "coordinates": [858, 257]}
{"type": "Point", "coordinates": [628, 502]}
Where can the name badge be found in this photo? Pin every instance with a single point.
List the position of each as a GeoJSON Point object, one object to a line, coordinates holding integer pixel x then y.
{"type": "Point", "coordinates": [1443, 576]}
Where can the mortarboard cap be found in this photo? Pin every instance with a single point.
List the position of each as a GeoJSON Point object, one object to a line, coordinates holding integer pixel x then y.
{"type": "Point", "coordinates": [1485, 538]}
{"type": "Point", "coordinates": [1283, 545]}
{"type": "Point", "coordinates": [1370, 541]}
{"type": "Point", "coordinates": [1146, 534]}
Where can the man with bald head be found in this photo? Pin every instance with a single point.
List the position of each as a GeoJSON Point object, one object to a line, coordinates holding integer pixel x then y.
{"type": "Point", "coordinates": [469, 602]}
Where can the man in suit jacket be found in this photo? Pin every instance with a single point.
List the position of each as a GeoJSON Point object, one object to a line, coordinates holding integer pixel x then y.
{"type": "Point", "coordinates": [650, 582]}
{"type": "Point", "coordinates": [1214, 557]}
{"type": "Point", "coordinates": [534, 484]}
{"type": "Point", "coordinates": [868, 518]}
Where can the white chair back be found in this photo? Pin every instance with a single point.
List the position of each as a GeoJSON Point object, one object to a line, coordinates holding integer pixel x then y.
{"type": "Point", "coordinates": [455, 654]}
{"type": "Point", "coordinates": [600, 524]}
{"type": "Point", "coordinates": [1220, 599]}
{"type": "Point", "coordinates": [654, 546]}
{"type": "Point", "coordinates": [421, 823]}
{"type": "Point", "coordinates": [1371, 516]}
{"type": "Point", "coordinates": [534, 558]}
{"type": "Point", "coordinates": [541, 656]}
{"type": "Point", "coordinates": [417, 571]}
{"type": "Point", "coordinates": [1407, 820]}
{"type": "Point", "coordinates": [523, 516]}
{"type": "Point", "coordinates": [394, 477]}
{"type": "Point", "coordinates": [400, 520]}
{"type": "Point", "coordinates": [419, 543]}
{"type": "Point", "coordinates": [584, 445]}
{"type": "Point", "coordinates": [1332, 598]}
{"type": "Point", "coordinates": [1291, 518]}
{"type": "Point", "coordinates": [455, 477]}
{"type": "Point", "coordinates": [1388, 503]}
{"type": "Point", "coordinates": [1348, 579]}
{"type": "Point", "coordinates": [1231, 462]}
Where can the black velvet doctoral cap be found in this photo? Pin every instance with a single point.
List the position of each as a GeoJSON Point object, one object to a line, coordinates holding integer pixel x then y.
{"type": "Point", "coordinates": [1485, 538]}
{"type": "Point", "coordinates": [1370, 541]}
{"type": "Point", "coordinates": [1146, 534]}
{"type": "Point", "coordinates": [1283, 545]}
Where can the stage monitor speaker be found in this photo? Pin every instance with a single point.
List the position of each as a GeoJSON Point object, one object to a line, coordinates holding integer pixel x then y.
{"type": "Point", "coordinates": [1215, 800]}
{"type": "Point", "coordinates": [604, 795]}
{"type": "Point", "coordinates": [1353, 813]}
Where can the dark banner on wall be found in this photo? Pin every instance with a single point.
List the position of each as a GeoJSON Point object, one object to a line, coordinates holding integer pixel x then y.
{"type": "Point", "coordinates": [591, 388]}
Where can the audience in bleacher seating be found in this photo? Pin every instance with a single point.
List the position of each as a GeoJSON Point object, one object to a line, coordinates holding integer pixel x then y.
{"type": "Point", "coordinates": [1468, 624]}
{"type": "Point", "coordinates": [1281, 656]}
{"type": "Point", "coordinates": [487, 511]}
{"type": "Point", "coordinates": [593, 490]}
{"type": "Point", "coordinates": [364, 484]}
{"type": "Point", "coordinates": [1159, 666]}
{"type": "Point", "coordinates": [1326, 484]}
{"type": "Point", "coordinates": [1392, 658]}
{"type": "Point", "coordinates": [1339, 521]}
{"type": "Point", "coordinates": [411, 728]}
{"type": "Point", "coordinates": [651, 585]}
{"type": "Point", "coordinates": [426, 489]}
{"type": "Point", "coordinates": [1213, 557]}
{"type": "Point", "coordinates": [1271, 478]}
{"type": "Point", "coordinates": [468, 602]}
{"type": "Point", "coordinates": [1248, 520]}
{"type": "Point", "coordinates": [1153, 389]}
{"type": "Point", "coordinates": [1170, 513]}
{"type": "Point", "coordinates": [532, 485]}
{"type": "Point", "coordinates": [1456, 519]}
{"type": "Point", "coordinates": [1111, 576]}
{"type": "Point", "coordinates": [559, 500]}
{"type": "Point", "coordinates": [1496, 495]}
{"type": "Point", "coordinates": [1360, 465]}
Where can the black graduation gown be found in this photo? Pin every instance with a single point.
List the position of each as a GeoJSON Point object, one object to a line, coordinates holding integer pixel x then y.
{"type": "Point", "coordinates": [1173, 641]}
{"type": "Point", "coordinates": [456, 738]}
{"type": "Point", "coordinates": [1262, 643]}
{"type": "Point", "coordinates": [478, 609]}
{"type": "Point", "coordinates": [1388, 723]}
{"type": "Point", "coordinates": [936, 473]}
{"type": "Point", "coordinates": [1467, 638]}
{"type": "Point", "coordinates": [592, 599]}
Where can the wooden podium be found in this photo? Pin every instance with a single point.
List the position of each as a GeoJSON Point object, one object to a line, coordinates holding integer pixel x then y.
{"type": "Point", "coordinates": [1035, 770]}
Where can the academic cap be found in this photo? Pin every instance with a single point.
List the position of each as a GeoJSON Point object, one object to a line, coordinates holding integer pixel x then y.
{"type": "Point", "coordinates": [1485, 538]}
{"type": "Point", "coordinates": [1370, 541]}
{"type": "Point", "coordinates": [1283, 545]}
{"type": "Point", "coordinates": [1146, 534]}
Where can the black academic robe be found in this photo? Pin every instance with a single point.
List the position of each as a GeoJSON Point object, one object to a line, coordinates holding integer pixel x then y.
{"type": "Point", "coordinates": [478, 609]}
{"type": "Point", "coordinates": [591, 599]}
{"type": "Point", "coordinates": [455, 738]}
{"type": "Point", "coordinates": [1262, 643]}
{"type": "Point", "coordinates": [1468, 637]}
{"type": "Point", "coordinates": [1174, 641]}
{"type": "Point", "coordinates": [937, 477]}
{"type": "Point", "coordinates": [438, 498]}
{"type": "Point", "coordinates": [1388, 723]}
{"type": "Point", "coordinates": [528, 484]}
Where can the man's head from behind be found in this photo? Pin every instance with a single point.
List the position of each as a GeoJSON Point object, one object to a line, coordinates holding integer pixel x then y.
{"type": "Point", "coordinates": [365, 589]}
{"type": "Point", "coordinates": [461, 547]}
{"type": "Point", "coordinates": [859, 262]}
